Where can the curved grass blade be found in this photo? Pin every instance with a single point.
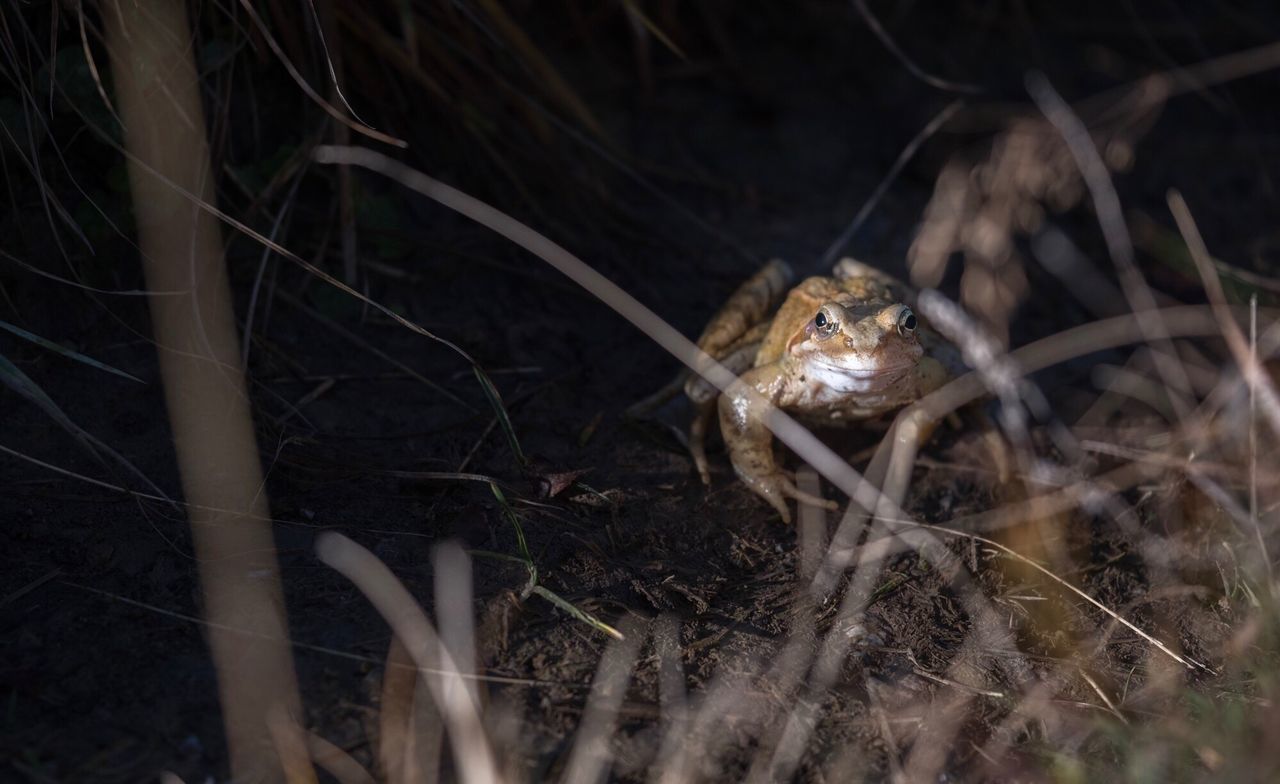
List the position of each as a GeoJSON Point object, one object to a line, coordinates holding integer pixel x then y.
{"type": "Point", "coordinates": [495, 400]}
{"type": "Point", "coordinates": [12, 377]}
{"type": "Point", "coordinates": [522, 546]}
{"type": "Point", "coordinates": [533, 573]}
{"type": "Point", "coordinates": [633, 10]}
{"type": "Point", "coordinates": [66, 352]}
{"type": "Point", "coordinates": [576, 612]}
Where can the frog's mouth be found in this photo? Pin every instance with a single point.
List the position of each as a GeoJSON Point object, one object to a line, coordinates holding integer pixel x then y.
{"type": "Point", "coordinates": [843, 378]}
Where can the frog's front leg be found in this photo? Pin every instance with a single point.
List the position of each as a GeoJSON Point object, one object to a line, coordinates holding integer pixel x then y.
{"type": "Point", "coordinates": [750, 442]}
{"type": "Point", "coordinates": [703, 396]}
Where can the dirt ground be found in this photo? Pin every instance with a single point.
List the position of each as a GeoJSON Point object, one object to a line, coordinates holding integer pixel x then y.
{"type": "Point", "coordinates": [105, 672]}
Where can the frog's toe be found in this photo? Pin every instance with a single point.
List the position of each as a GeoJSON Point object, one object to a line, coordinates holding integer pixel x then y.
{"type": "Point", "coordinates": [698, 439]}
{"type": "Point", "coordinates": [777, 488]}
{"type": "Point", "coordinates": [699, 453]}
{"type": "Point", "coordinates": [807, 498]}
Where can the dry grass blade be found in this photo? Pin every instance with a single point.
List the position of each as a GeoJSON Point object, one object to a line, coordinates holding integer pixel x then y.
{"type": "Point", "coordinates": [1059, 255]}
{"type": "Point", "coordinates": [591, 756]}
{"type": "Point", "coordinates": [93, 66]}
{"type": "Point", "coordinates": [397, 742]}
{"type": "Point", "coordinates": [904, 157]}
{"type": "Point", "coordinates": [1245, 353]}
{"type": "Point", "coordinates": [522, 545]}
{"type": "Point", "coordinates": [336, 762]}
{"type": "Point", "coordinates": [78, 477]}
{"type": "Point", "coordinates": [334, 80]}
{"type": "Point", "coordinates": [591, 145]}
{"type": "Point", "coordinates": [907, 62]}
{"type": "Point", "coordinates": [467, 736]}
{"type": "Point", "coordinates": [542, 69]}
{"type": "Point", "coordinates": [76, 284]}
{"type": "Point", "coordinates": [240, 226]}
{"type": "Point", "coordinates": [532, 586]}
{"type": "Point", "coordinates": [811, 525]}
{"type": "Point", "coordinates": [637, 14]}
{"type": "Point", "coordinates": [1241, 348]}
{"type": "Point", "coordinates": [363, 26]}
{"type": "Point", "coordinates": [329, 109]}
{"type": "Point", "coordinates": [66, 352]}
{"type": "Point", "coordinates": [302, 646]}
{"type": "Point", "coordinates": [441, 476]}
{"type": "Point", "coordinates": [671, 689]}
{"type": "Point", "coordinates": [495, 400]}
{"type": "Point", "coordinates": [577, 612]}
{"type": "Point", "coordinates": [1253, 426]}
{"type": "Point", "coordinates": [252, 308]}
{"type": "Point", "coordinates": [1198, 77]}
{"type": "Point", "coordinates": [18, 593]}
{"type": "Point", "coordinates": [159, 93]}
{"type": "Point", "coordinates": [368, 347]}
{"type": "Point", "coordinates": [1180, 321]}
{"type": "Point", "coordinates": [12, 377]}
{"type": "Point", "coordinates": [1187, 662]}
{"type": "Point", "coordinates": [452, 573]}
{"type": "Point", "coordinates": [1102, 694]}
{"type": "Point", "coordinates": [1115, 230]}
{"type": "Point", "coordinates": [290, 742]}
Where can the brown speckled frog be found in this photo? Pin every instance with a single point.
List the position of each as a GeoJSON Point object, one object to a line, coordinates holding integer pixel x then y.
{"type": "Point", "coordinates": [840, 349]}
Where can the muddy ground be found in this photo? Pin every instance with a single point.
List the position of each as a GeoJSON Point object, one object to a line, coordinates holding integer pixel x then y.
{"type": "Point", "coordinates": [106, 675]}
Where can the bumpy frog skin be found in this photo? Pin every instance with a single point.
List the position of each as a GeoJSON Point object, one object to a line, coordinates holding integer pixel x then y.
{"type": "Point", "coordinates": [840, 349]}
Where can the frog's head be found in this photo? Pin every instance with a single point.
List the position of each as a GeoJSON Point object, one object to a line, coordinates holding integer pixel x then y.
{"type": "Point", "coordinates": [857, 348]}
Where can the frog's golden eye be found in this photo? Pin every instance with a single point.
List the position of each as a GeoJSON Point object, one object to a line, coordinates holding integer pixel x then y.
{"type": "Point", "coordinates": [907, 323]}
{"type": "Point", "coordinates": [826, 322]}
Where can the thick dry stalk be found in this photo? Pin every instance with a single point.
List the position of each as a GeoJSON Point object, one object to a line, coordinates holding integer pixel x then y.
{"type": "Point", "coordinates": [159, 100]}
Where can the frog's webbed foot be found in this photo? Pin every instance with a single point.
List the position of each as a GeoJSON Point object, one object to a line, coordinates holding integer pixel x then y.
{"type": "Point", "coordinates": [777, 487]}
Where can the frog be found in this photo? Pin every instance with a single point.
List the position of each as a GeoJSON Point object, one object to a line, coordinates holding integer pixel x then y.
{"type": "Point", "coordinates": [833, 350]}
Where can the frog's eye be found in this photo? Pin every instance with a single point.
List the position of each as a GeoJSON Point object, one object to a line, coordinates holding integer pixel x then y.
{"type": "Point", "coordinates": [907, 323]}
{"type": "Point", "coordinates": [826, 322]}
